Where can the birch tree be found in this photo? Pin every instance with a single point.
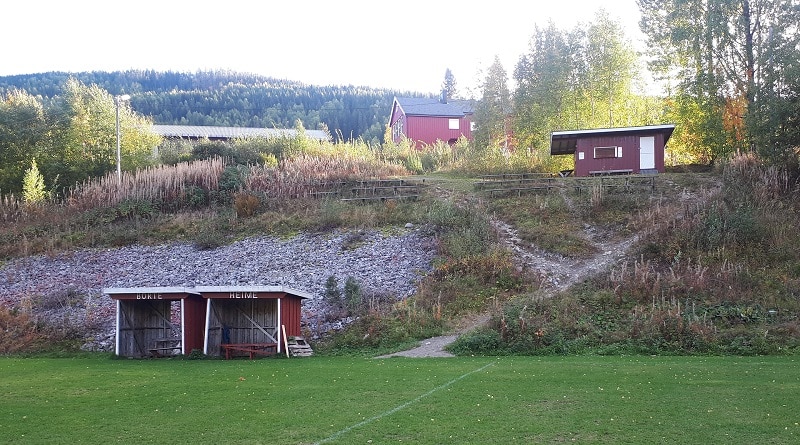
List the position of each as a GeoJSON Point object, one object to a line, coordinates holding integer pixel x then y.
{"type": "Point", "coordinates": [732, 58]}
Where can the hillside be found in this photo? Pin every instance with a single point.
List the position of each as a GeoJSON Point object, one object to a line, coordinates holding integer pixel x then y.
{"type": "Point", "coordinates": [678, 263]}
{"type": "Point", "coordinates": [225, 98]}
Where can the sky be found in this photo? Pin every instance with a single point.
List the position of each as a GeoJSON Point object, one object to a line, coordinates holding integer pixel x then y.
{"type": "Point", "coordinates": [401, 45]}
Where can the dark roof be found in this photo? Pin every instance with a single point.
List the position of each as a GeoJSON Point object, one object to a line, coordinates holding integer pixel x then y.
{"type": "Point", "coordinates": [566, 142]}
{"type": "Point", "coordinates": [211, 132]}
{"type": "Point", "coordinates": [416, 106]}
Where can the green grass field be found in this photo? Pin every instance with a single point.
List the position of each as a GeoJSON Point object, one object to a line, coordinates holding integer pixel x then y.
{"type": "Point", "coordinates": [585, 399]}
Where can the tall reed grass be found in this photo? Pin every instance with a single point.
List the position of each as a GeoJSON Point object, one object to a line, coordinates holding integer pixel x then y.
{"type": "Point", "coordinates": [155, 184]}
{"type": "Point", "coordinates": [303, 175]}
{"type": "Point", "coordinates": [11, 208]}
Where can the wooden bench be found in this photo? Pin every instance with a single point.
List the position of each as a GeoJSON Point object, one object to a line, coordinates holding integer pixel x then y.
{"type": "Point", "coordinates": [624, 171]}
{"type": "Point", "coordinates": [324, 193]}
{"type": "Point", "coordinates": [505, 176]}
{"type": "Point", "coordinates": [519, 190]}
{"type": "Point", "coordinates": [396, 189]}
{"type": "Point", "coordinates": [251, 349]}
{"type": "Point", "coordinates": [390, 182]}
{"type": "Point", "coordinates": [519, 183]}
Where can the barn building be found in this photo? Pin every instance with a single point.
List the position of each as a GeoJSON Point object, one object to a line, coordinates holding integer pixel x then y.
{"type": "Point", "coordinates": [427, 120]}
{"type": "Point", "coordinates": [624, 150]}
{"type": "Point", "coordinates": [216, 133]}
{"type": "Point", "coordinates": [163, 321]}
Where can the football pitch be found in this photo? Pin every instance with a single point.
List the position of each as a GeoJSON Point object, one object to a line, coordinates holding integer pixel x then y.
{"type": "Point", "coordinates": [472, 400]}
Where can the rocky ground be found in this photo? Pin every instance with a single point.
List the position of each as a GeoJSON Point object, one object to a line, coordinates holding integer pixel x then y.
{"type": "Point", "coordinates": [67, 287]}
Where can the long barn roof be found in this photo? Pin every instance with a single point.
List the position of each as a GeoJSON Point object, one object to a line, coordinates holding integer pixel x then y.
{"type": "Point", "coordinates": [213, 132]}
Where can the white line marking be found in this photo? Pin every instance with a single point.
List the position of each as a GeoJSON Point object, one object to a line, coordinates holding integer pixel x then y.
{"type": "Point", "coordinates": [398, 408]}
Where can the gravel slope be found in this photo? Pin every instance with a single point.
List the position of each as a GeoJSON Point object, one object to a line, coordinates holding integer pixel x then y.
{"type": "Point", "coordinates": [69, 285]}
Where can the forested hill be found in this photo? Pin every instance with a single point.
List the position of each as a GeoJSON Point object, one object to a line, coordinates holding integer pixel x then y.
{"type": "Point", "coordinates": [233, 99]}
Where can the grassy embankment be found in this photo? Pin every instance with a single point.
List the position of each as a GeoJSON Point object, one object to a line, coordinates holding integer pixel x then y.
{"type": "Point", "coordinates": [714, 270]}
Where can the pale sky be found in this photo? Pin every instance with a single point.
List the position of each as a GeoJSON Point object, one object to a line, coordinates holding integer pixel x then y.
{"type": "Point", "coordinates": [402, 45]}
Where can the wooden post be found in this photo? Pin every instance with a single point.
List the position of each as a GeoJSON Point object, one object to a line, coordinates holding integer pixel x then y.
{"type": "Point", "coordinates": [285, 340]}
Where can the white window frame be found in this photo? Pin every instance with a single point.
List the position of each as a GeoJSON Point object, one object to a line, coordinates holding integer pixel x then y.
{"type": "Point", "coordinates": [454, 124]}
{"type": "Point", "coordinates": [617, 152]}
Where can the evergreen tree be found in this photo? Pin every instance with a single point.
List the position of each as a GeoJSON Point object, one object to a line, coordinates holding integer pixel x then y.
{"type": "Point", "coordinates": [449, 89]}
{"type": "Point", "coordinates": [333, 296]}
{"type": "Point", "coordinates": [33, 190]}
{"type": "Point", "coordinates": [352, 294]}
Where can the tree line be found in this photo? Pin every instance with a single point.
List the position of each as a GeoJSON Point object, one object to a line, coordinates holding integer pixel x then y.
{"type": "Point", "coordinates": [730, 71]}
{"type": "Point", "coordinates": [70, 137]}
{"type": "Point", "coordinates": [225, 98]}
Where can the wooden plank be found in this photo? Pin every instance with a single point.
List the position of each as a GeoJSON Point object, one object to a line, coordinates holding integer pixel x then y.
{"type": "Point", "coordinates": [379, 198]}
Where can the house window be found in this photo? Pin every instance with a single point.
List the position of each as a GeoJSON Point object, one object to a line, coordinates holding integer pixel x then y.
{"type": "Point", "coordinates": [472, 126]}
{"type": "Point", "coordinates": [397, 130]}
{"type": "Point", "coordinates": [453, 124]}
{"type": "Point", "coordinates": [607, 152]}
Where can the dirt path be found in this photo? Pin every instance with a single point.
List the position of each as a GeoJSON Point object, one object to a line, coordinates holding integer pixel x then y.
{"type": "Point", "coordinates": [558, 273]}
{"type": "Point", "coordinates": [434, 347]}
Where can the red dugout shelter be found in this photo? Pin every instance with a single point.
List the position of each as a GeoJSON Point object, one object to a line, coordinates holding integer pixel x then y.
{"type": "Point", "coordinates": [154, 321]}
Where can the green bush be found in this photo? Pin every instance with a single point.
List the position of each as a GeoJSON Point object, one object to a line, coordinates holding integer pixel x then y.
{"type": "Point", "coordinates": [195, 197]}
{"type": "Point", "coordinates": [482, 341]}
{"type": "Point", "coordinates": [374, 332]}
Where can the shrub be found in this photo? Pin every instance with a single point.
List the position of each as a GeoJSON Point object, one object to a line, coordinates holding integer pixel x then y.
{"type": "Point", "coordinates": [232, 179]}
{"type": "Point", "coordinates": [245, 204]}
{"type": "Point", "coordinates": [353, 297]}
{"type": "Point", "coordinates": [195, 197]}
{"type": "Point", "coordinates": [483, 341]}
{"type": "Point", "coordinates": [17, 332]}
{"type": "Point", "coordinates": [333, 296]}
{"type": "Point", "coordinates": [384, 329]}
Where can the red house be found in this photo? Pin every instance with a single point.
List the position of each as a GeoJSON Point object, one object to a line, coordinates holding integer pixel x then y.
{"type": "Point", "coordinates": [614, 150]}
{"type": "Point", "coordinates": [427, 120]}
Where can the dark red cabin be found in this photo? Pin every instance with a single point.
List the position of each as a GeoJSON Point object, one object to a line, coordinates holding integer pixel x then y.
{"type": "Point", "coordinates": [629, 150]}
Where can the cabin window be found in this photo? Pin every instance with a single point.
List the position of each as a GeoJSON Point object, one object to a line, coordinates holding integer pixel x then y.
{"type": "Point", "coordinates": [472, 126]}
{"type": "Point", "coordinates": [453, 124]}
{"type": "Point", "coordinates": [607, 152]}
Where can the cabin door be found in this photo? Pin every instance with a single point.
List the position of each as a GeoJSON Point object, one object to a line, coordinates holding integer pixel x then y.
{"type": "Point", "coordinates": [647, 153]}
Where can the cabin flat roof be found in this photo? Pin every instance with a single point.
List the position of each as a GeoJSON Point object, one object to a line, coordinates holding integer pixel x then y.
{"type": "Point", "coordinates": [565, 142]}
